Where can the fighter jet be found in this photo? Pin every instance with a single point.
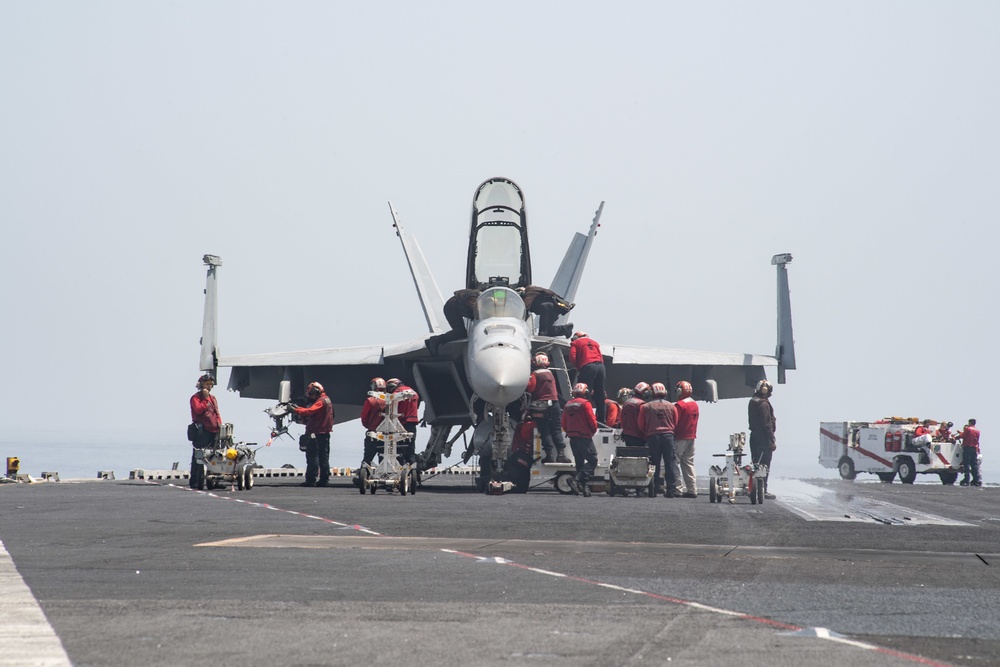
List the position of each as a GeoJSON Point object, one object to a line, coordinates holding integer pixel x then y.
{"type": "Point", "coordinates": [474, 381]}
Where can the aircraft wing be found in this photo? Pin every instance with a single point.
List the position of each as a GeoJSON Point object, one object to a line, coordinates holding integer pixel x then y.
{"type": "Point", "coordinates": [344, 372]}
{"type": "Point", "coordinates": [713, 375]}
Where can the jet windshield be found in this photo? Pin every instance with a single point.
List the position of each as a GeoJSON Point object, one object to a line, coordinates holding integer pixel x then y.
{"type": "Point", "coordinates": [500, 302]}
{"type": "Point", "coordinates": [498, 242]}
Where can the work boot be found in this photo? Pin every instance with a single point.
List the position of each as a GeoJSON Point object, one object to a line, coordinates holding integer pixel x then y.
{"type": "Point", "coordinates": [433, 345]}
{"type": "Point", "coordinates": [574, 487]}
{"type": "Point", "coordinates": [567, 330]}
{"type": "Point", "coordinates": [549, 458]}
{"type": "Point", "coordinates": [768, 496]}
{"type": "Point", "coordinates": [689, 495]}
{"type": "Point", "coordinates": [308, 484]}
{"type": "Point", "coordinates": [584, 489]}
{"type": "Point", "coordinates": [561, 458]}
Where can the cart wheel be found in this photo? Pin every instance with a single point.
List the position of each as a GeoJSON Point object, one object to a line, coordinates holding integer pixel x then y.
{"type": "Point", "coordinates": [200, 472]}
{"type": "Point", "coordinates": [713, 490]}
{"type": "Point", "coordinates": [404, 483]}
{"type": "Point", "coordinates": [413, 481]}
{"type": "Point", "coordinates": [759, 491]}
{"type": "Point", "coordinates": [240, 480]}
{"type": "Point", "coordinates": [248, 478]}
{"type": "Point", "coordinates": [754, 485]}
{"type": "Point", "coordinates": [611, 487]}
{"type": "Point", "coordinates": [562, 483]}
{"type": "Point", "coordinates": [371, 490]}
{"type": "Point", "coordinates": [362, 479]}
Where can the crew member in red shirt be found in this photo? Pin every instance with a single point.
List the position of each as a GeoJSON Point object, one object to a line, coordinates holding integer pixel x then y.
{"type": "Point", "coordinates": [631, 433]}
{"type": "Point", "coordinates": [371, 418]}
{"type": "Point", "coordinates": [970, 454]}
{"type": "Point", "coordinates": [657, 420]}
{"type": "Point", "coordinates": [580, 424]}
{"type": "Point", "coordinates": [585, 355]}
{"type": "Point", "coordinates": [545, 409]}
{"type": "Point", "coordinates": [205, 417]}
{"type": "Point", "coordinates": [319, 423]}
{"type": "Point", "coordinates": [684, 436]}
{"type": "Point", "coordinates": [407, 411]}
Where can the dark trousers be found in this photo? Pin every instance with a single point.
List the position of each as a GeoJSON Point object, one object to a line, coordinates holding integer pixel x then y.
{"type": "Point", "coordinates": [584, 456]}
{"type": "Point", "coordinates": [593, 375]}
{"type": "Point", "coordinates": [970, 461]}
{"type": "Point", "coordinates": [317, 457]}
{"type": "Point", "coordinates": [405, 450]}
{"type": "Point", "coordinates": [372, 447]}
{"type": "Point", "coordinates": [661, 455]}
{"type": "Point", "coordinates": [550, 430]}
{"type": "Point", "coordinates": [760, 449]}
{"type": "Point", "coordinates": [633, 440]}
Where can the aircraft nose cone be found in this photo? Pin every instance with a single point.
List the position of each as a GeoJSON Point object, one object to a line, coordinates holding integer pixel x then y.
{"type": "Point", "coordinates": [502, 374]}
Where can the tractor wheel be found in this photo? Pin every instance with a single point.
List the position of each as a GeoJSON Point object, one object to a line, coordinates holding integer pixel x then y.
{"type": "Point", "coordinates": [907, 470]}
{"type": "Point", "coordinates": [846, 468]}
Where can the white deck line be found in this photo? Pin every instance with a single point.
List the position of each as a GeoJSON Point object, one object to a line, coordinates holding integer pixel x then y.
{"type": "Point", "coordinates": [25, 633]}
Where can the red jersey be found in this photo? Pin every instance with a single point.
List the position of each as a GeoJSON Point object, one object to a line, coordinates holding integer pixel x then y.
{"type": "Point", "coordinates": [657, 416]}
{"type": "Point", "coordinates": [612, 413]}
{"type": "Point", "coordinates": [319, 415]}
{"type": "Point", "coordinates": [970, 437]}
{"type": "Point", "coordinates": [205, 411]}
{"type": "Point", "coordinates": [584, 351]}
{"type": "Point", "coordinates": [687, 419]}
{"type": "Point", "coordinates": [630, 417]}
{"type": "Point", "coordinates": [371, 413]}
{"type": "Point", "coordinates": [578, 418]}
{"type": "Point", "coordinates": [407, 410]}
{"type": "Point", "coordinates": [542, 386]}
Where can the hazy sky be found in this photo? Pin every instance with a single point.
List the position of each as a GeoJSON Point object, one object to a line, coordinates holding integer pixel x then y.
{"type": "Point", "coordinates": [861, 137]}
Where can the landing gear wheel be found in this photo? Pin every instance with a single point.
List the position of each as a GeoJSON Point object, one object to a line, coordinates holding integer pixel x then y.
{"type": "Point", "coordinates": [248, 478]}
{"type": "Point", "coordinates": [758, 489]}
{"type": "Point", "coordinates": [886, 477]}
{"type": "Point", "coordinates": [713, 490]}
{"type": "Point", "coordinates": [363, 479]}
{"type": "Point", "coordinates": [846, 468]}
{"type": "Point", "coordinates": [907, 470]}
{"type": "Point", "coordinates": [562, 483]}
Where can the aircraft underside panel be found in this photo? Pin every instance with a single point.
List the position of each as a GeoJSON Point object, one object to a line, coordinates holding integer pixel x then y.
{"type": "Point", "coordinates": [710, 383]}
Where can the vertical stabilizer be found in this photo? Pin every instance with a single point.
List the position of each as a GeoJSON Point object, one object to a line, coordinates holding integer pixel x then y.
{"type": "Point", "coordinates": [785, 350]}
{"type": "Point", "coordinates": [423, 279]}
{"type": "Point", "coordinates": [209, 326]}
{"type": "Point", "coordinates": [568, 276]}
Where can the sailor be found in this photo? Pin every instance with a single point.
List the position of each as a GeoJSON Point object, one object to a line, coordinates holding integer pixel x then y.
{"type": "Point", "coordinates": [521, 455]}
{"type": "Point", "coordinates": [762, 427]}
{"type": "Point", "coordinates": [459, 307]}
{"type": "Point", "coordinates": [371, 418]}
{"type": "Point", "coordinates": [580, 424]}
{"type": "Point", "coordinates": [549, 306]}
{"type": "Point", "coordinates": [970, 454]}
{"type": "Point", "coordinates": [613, 413]}
{"type": "Point", "coordinates": [205, 418]}
{"type": "Point", "coordinates": [631, 433]}
{"type": "Point", "coordinates": [319, 423]}
{"type": "Point", "coordinates": [407, 411]}
{"type": "Point", "coordinates": [943, 432]}
{"type": "Point", "coordinates": [545, 409]}
{"type": "Point", "coordinates": [684, 436]}
{"type": "Point", "coordinates": [585, 355]}
{"type": "Point", "coordinates": [657, 420]}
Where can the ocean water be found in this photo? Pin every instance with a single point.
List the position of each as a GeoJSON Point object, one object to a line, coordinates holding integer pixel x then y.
{"type": "Point", "coordinates": [82, 454]}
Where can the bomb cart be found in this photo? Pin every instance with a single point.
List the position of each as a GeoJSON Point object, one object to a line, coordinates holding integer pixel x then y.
{"type": "Point", "coordinates": [737, 478]}
{"type": "Point", "coordinates": [227, 462]}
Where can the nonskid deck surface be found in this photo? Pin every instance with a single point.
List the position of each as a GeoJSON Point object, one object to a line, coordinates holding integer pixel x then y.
{"type": "Point", "coordinates": [122, 567]}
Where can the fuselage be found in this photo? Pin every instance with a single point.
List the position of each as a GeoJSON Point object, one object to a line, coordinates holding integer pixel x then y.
{"type": "Point", "coordinates": [498, 355]}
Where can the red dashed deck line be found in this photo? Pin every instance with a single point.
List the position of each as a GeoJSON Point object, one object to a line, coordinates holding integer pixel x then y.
{"type": "Point", "coordinates": [715, 610]}
{"type": "Point", "coordinates": [359, 528]}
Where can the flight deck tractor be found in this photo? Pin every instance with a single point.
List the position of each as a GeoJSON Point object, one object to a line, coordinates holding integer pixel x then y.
{"type": "Point", "coordinates": [889, 448]}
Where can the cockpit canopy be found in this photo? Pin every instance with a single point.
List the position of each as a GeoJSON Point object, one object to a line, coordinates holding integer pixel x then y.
{"type": "Point", "coordinates": [498, 240]}
{"type": "Point", "coordinates": [500, 302]}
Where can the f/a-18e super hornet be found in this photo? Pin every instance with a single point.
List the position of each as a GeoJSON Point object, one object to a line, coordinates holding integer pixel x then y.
{"type": "Point", "coordinates": [472, 381]}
